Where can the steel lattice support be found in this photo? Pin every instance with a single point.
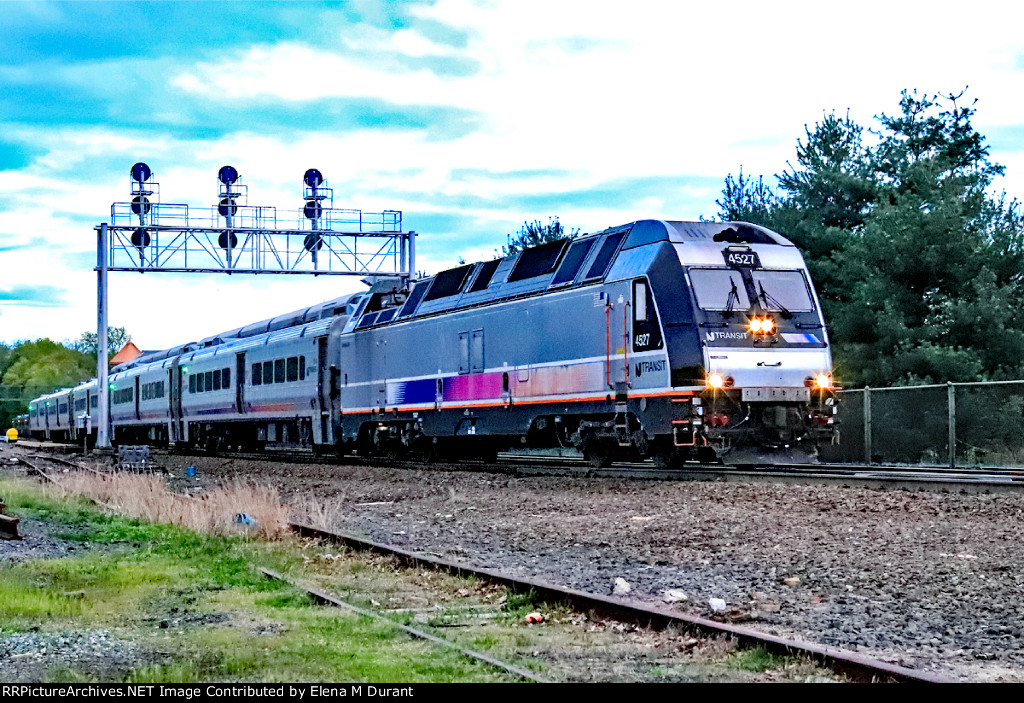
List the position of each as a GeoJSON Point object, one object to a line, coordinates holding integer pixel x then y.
{"type": "Point", "coordinates": [374, 245]}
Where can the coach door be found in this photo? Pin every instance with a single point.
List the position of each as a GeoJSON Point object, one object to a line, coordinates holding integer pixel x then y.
{"type": "Point", "coordinates": [323, 390]}
{"type": "Point", "coordinates": [174, 376]}
{"type": "Point", "coordinates": [240, 382]}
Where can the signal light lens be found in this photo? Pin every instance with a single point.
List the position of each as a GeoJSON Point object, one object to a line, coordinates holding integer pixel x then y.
{"type": "Point", "coordinates": [755, 325]}
{"type": "Point", "coordinates": [762, 325]}
{"type": "Point", "coordinates": [768, 325]}
{"type": "Point", "coordinates": [716, 380]}
{"type": "Point", "coordinates": [823, 381]}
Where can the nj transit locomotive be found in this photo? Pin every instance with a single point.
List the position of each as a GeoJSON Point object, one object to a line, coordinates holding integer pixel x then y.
{"type": "Point", "coordinates": [671, 340]}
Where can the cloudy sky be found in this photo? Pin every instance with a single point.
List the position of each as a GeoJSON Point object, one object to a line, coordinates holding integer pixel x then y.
{"type": "Point", "coordinates": [469, 117]}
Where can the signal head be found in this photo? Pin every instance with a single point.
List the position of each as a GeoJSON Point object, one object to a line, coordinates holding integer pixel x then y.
{"type": "Point", "coordinates": [141, 172]}
{"type": "Point", "coordinates": [227, 175]}
{"type": "Point", "coordinates": [313, 178]}
{"type": "Point", "coordinates": [312, 209]}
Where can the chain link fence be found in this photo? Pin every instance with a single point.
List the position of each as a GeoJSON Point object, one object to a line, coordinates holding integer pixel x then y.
{"type": "Point", "coordinates": [956, 424]}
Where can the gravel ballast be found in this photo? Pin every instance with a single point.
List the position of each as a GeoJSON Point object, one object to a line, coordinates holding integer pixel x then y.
{"type": "Point", "coordinates": [933, 580]}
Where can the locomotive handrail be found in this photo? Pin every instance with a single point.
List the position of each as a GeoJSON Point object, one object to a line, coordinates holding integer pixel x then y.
{"type": "Point", "coordinates": [625, 344]}
{"type": "Point", "coordinates": [608, 343]}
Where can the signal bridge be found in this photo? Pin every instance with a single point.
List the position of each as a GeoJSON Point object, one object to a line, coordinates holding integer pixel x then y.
{"type": "Point", "coordinates": [145, 235]}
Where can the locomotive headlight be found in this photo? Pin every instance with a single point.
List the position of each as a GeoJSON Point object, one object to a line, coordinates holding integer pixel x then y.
{"type": "Point", "coordinates": [762, 325]}
{"type": "Point", "coordinates": [823, 381]}
{"type": "Point", "coordinates": [716, 380]}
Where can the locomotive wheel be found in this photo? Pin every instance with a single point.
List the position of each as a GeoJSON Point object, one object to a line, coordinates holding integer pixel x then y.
{"type": "Point", "coordinates": [707, 455]}
{"type": "Point", "coordinates": [668, 459]}
{"type": "Point", "coordinates": [599, 453]}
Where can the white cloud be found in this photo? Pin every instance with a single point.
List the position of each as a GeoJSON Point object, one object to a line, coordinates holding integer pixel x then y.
{"type": "Point", "coordinates": [590, 93]}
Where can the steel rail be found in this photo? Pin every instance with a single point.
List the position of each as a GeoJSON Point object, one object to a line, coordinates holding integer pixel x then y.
{"type": "Point", "coordinates": [937, 477]}
{"type": "Point", "coordinates": [324, 597]}
{"type": "Point", "coordinates": [856, 667]}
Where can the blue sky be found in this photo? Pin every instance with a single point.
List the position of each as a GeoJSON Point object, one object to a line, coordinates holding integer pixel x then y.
{"type": "Point", "coordinates": [470, 117]}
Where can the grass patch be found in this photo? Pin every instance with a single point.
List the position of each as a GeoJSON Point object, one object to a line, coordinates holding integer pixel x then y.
{"type": "Point", "coordinates": [758, 659]}
{"type": "Point", "coordinates": [197, 608]}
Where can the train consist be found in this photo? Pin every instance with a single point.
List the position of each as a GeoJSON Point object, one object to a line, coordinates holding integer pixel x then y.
{"type": "Point", "coordinates": [671, 340]}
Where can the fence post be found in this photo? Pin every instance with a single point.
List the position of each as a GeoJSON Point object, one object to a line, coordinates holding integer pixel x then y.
{"type": "Point", "coordinates": [867, 424]}
{"type": "Point", "coordinates": [951, 395]}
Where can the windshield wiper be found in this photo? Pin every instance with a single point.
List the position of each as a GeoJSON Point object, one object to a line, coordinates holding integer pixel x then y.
{"type": "Point", "coordinates": [734, 297]}
{"type": "Point", "coordinates": [767, 299]}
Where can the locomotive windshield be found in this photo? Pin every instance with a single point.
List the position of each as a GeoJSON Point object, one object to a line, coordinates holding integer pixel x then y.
{"type": "Point", "coordinates": [724, 289]}
{"type": "Point", "coordinates": [783, 290]}
{"type": "Point", "coordinates": [719, 289]}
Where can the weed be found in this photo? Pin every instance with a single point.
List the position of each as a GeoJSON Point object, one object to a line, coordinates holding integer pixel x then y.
{"type": "Point", "coordinates": [519, 603]}
{"type": "Point", "coordinates": [757, 659]}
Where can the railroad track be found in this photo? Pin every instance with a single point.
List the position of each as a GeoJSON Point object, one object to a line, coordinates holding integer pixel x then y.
{"type": "Point", "coordinates": [984, 479]}
{"type": "Point", "coordinates": [855, 666]}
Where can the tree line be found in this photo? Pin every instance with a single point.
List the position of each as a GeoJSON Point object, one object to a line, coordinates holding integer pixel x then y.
{"type": "Point", "coordinates": [917, 262]}
{"type": "Point", "coordinates": [29, 369]}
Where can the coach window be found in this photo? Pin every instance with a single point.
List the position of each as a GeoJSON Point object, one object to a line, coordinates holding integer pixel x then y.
{"type": "Point", "coordinates": [225, 376]}
{"type": "Point", "coordinates": [257, 374]}
{"type": "Point", "coordinates": [302, 368]}
{"type": "Point", "coordinates": [268, 372]}
{"type": "Point", "coordinates": [216, 380]}
{"type": "Point", "coordinates": [279, 374]}
{"type": "Point", "coordinates": [209, 380]}
{"type": "Point", "coordinates": [293, 368]}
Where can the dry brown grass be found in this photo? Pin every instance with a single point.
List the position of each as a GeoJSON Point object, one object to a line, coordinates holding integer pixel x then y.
{"type": "Point", "coordinates": [311, 511]}
{"type": "Point", "coordinates": [147, 497]}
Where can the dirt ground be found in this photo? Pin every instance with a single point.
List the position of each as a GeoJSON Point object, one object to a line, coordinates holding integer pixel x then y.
{"type": "Point", "coordinates": [924, 579]}
{"type": "Point", "coordinates": [569, 646]}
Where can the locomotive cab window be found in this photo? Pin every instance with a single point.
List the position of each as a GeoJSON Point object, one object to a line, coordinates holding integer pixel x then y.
{"type": "Point", "coordinates": [719, 289]}
{"type": "Point", "coordinates": [639, 301]}
{"type": "Point", "coordinates": [646, 329]}
{"type": "Point", "coordinates": [782, 290]}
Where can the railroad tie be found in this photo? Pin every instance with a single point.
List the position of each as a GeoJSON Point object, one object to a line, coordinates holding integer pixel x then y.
{"type": "Point", "coordinates": [471, 653]}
